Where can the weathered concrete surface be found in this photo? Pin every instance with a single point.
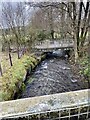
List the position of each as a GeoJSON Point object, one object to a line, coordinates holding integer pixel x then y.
{"type": "Point", "coordinates": [54, 101]}
{"type": "Point", "coordinates": [53, 45]}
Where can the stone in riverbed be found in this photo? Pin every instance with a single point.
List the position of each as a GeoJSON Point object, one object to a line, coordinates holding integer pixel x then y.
{"type": "Point", "coordinates": [74, 80]}
{"type": "Point", "coordinates": [65, 68]}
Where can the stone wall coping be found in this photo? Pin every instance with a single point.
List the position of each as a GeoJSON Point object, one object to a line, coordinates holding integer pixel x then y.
{"type": "Point", "coordinates": [65, 100]}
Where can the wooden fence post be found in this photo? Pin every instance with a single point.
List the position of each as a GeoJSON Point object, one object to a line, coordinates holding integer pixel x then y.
{"type": "Point", "coordinates": [10, 58]}
{"type": "Point", "coordinates": [1, 70]}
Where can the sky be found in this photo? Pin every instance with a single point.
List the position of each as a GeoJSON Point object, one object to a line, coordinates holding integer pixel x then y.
{"type": "Point", "coordinates": [31, 1]}
{"type": "Point", "coordinates": [37, 0]}
{"type": "Point", "coordinates": [28, 12]}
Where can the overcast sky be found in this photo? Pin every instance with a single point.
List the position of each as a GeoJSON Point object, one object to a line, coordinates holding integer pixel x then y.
{"type": "Point", "coordinates": [38, 0]}
{"type": "Point", "coordinates": [13, 1]}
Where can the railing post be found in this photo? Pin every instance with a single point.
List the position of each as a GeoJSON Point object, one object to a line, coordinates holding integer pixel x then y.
{"type": "Point", "coordinates": [78, 113]}
{"type": "Point", "coordinates": [69, 114]}
{"type": "Point", "coordinates": [39, 117]}
{"type": "Point", "coordinates": [59, 115]}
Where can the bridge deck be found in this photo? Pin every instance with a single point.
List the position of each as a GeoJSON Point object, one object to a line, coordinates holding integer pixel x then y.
{"type": "Point", "coordinates": [53, 45]}
{"type": "Point", "coordinates": [54, 102]}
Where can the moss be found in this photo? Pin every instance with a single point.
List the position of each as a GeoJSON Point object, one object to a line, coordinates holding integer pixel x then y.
{"type": "Point", "coordinates": [30, 80]}
{"type": "Point", "coordinates": [43, 57]}
{"type": "Point", "coordinates": [34, 60]}
{"type": "Point", "coordinates": [12, 80]}
{"type": "Point", "coordinates": [32, 65]}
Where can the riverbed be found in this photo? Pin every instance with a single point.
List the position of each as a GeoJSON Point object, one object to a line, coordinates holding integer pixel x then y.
{"type": "Point", "coordinates": [53, 75]}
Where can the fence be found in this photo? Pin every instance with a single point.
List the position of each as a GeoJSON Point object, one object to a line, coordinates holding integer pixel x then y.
{"type": "Point", "coordinates": [77, 110]}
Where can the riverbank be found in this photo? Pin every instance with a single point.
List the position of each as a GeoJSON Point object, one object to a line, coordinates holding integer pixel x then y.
{"type": "Point", "coordinates": [5, 61]}
{"type": "Point", "coordinates": [53, 75]}
{"type": "Point", "coordinates": [81, 69]}
{"type": "Point", "coordinates": [12, 81]}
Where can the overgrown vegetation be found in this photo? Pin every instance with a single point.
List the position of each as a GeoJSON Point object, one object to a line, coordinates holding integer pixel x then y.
{"type": "Point", "coordinates": [84, 62]}
{"type": "Point", "coordinates": [85, 65]}
{"type": "Point", "coordinates": [5, 62]}
{"type": "Point", "coordinates": [68, 19]}
{"type": "Point", "coordinates": [12, 80]}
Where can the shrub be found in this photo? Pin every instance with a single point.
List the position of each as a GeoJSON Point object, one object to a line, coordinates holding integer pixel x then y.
{"type": "Point", "coordinates": [41, 35]}
{"type": "Point", "coordinates": [85, 67]}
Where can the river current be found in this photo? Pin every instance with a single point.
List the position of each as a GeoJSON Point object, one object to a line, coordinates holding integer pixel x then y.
{"type": "Point", "coordinates": [53, 75]}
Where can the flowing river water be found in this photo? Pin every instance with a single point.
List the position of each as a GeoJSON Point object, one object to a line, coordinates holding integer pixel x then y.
{"type": "Point", "coordinates": [53, 75]}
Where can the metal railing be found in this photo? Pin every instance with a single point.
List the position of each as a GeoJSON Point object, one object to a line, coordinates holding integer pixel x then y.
{"type": "Point", "coordinates": [75, 113]}
{"type": "Point", "coordinates": [67, 106]}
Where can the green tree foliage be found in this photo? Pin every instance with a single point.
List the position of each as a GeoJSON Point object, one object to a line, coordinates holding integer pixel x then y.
{"type": "Point", "coordinates": [41, 35]}
{"type": "Point", "coordinates": [86, 67]}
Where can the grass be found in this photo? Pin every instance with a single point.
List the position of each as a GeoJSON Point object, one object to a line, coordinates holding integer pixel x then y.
{"type": "Point", "coordinates": [5, 63]}
{"type": "Point", "coordinates": [12, 79]}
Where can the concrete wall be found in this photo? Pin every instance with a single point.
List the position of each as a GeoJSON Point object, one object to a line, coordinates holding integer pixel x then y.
{"type": "Point", "coordinates": [56, 103]}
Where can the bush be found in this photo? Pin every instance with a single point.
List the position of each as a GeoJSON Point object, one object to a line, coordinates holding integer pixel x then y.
{"type": "Point", "coordinates": [41, 35]}
{"type": "Point", "coordinates": [85, 67]}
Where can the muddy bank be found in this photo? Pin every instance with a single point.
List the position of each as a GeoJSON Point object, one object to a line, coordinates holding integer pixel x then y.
{"type": "Point", "coordinates": [53, 75]}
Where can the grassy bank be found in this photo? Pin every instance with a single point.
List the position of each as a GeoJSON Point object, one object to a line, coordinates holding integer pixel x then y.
{"type": "Point", "coordinates": [82, 67]}
{"type": "Point", "coordinates": [5, 62]}
{"type": "Point", "coordinates": [85, 69]}
{"type": "Point", "coordinates": [13, 79]}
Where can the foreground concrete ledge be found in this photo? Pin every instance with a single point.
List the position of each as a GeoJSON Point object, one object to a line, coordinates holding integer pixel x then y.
{"type": "Point", "coordinates": [60, 101]}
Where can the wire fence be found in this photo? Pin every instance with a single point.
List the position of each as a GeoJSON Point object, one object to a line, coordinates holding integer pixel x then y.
{"type": "Point", "coordinates": [75, 113]}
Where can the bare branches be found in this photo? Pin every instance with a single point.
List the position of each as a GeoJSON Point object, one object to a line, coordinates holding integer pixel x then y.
{"type": "Point", "coordinates": [53, 17]}
{"type": "Point", "coordinates": [43, 4]}
{"type": "Point", "coordinates": [14, 19]}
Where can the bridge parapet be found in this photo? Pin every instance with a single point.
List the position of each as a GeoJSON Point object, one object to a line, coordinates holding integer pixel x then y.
{"type": "Point", "coordinates": [50, 46]}
{"type": "Point", "coordinates": [61, 105]}
{"type": "Point", "coordinates": [55, 41]}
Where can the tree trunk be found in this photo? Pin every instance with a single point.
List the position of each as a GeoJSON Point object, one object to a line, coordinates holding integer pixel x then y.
{"type": "Point", "coordinates": [62, 22]}
{"type": "Point", "coordinates": [18, 52]}
{"type": "Point", "coordinates": [79, 22]}
{"type": "Point", "coordinates": [75, 48]}
{"type": "Point", "coordinates": [52, 34]}
{"type": "Point", "coordinates": [86, 19]}
{"type": "Point", "coordinates": [18, 48]}
{"type": "Point", "coordinates": [75, 32]}
{"type": "Point", "coordinates": [50, 17]}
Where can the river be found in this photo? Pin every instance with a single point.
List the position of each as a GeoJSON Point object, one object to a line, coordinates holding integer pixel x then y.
{"type": "Point", "coordinates": [53, 75]}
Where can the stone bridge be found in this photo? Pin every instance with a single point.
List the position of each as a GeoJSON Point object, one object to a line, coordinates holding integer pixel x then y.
{"type": "Point", "coordinates": [50, 46]}
{"type": "Point", "coordinates": [74, 105]}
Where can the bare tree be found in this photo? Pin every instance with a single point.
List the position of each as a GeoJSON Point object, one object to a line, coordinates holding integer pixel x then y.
{"type": "Point", "coordinates": [15, 21]}
{"type": "Point", "coordinates": [79, 24]}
